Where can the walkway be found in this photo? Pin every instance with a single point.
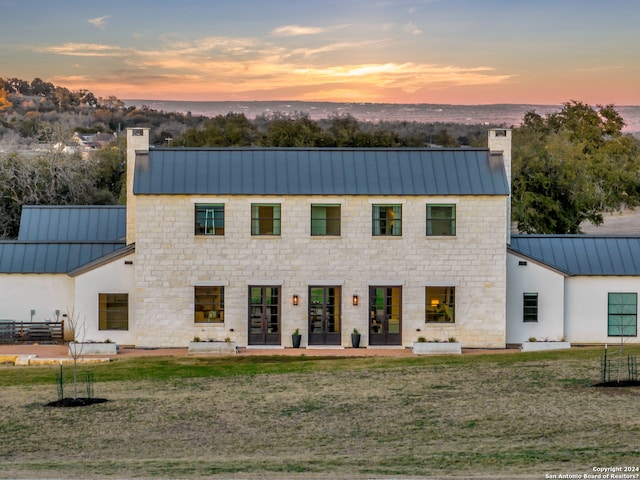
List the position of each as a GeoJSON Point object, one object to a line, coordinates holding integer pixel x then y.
{"type": "Point", "coordinates": [49, 354]}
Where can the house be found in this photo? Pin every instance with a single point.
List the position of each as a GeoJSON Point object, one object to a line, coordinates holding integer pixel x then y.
{"type": "Point", "coordinates": [252, 244]}
{"type": "Point", "coordinates": [583, 288]}
{"type": "Point", "coordinates": [64, 262]}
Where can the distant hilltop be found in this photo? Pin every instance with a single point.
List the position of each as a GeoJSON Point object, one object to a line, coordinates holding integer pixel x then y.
{"type": "Point", "coordinates": [496, 114]}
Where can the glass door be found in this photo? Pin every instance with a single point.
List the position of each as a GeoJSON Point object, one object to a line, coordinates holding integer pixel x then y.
{"type": "Point", "coordinates": [385, 315]}
{"type": "Point", "coordinates": [324, 315]}
{"type": "Point", "coordinates": [264, 315]}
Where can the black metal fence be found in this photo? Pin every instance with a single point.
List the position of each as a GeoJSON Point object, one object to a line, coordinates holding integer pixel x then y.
{"type": "Point", "coordinates": [31, 332]}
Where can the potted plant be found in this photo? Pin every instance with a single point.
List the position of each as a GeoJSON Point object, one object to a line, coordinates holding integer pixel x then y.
{"type": "Point", "coordinates": [355, 338]}
{"type": "Point", "coordinates": [296, 338]}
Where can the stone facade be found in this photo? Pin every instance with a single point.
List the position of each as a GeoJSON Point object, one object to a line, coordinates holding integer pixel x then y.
{"type": "Point", "coordinates": [171, 260]}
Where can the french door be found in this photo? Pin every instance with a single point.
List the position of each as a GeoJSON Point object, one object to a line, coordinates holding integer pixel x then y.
{"type": "Point", "coordinates": [324, 315]}
{"type": "Point", "coordinates": [385, 315]}
{"type": "Point", "coordinates": [264, 315]}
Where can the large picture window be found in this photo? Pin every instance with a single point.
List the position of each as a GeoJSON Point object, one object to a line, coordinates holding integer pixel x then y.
{"type": "Point", "coordinates": [325, 220]}
{"type": "Point", "coordinates": [265, 219]}
{"type": "Point", "coordinates": [622, 315]}
{"type": "Point", "coordinates": [209, 219]}
{"type": "Point", "coordinates": [530, 307]}
{"type": "Point", "coordinates": [441, 220]}
{"type": "Point", "coordinates": [113, 311]}
{"type": "Point", "coordinates": [387, 220]}
{"type": "Point", "coordinates": [440, 304]}
{"type": "Point", "coordinates": [209, 305]}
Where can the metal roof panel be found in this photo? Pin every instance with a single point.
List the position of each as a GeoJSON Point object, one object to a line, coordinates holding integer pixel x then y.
{"type": "Point", "coordinates": [70, 223]}
{"type": "Point", "coordinates": [582, 254]}
{"type": "Point", "coordinates": [295, 171]}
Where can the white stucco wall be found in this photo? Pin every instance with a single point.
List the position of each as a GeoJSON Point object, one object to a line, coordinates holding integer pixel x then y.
{"type": "Point", "coordinates": [44, 293]}
{"type": "Point", "coordinates": [549, 285]}
{"type": "Point", "coordinates": [587, 304]}
{"type": "Point", "coordinates": [113, 277]}
{"type": "Point", "coordinates": [171, 260]}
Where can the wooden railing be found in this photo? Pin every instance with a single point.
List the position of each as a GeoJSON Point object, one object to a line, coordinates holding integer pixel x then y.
{"type": "Point", "coordinates": [31, 332]}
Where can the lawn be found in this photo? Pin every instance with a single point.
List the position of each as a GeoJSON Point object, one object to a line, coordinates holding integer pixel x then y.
{"type": "Point", "coordinates": [512, 415]}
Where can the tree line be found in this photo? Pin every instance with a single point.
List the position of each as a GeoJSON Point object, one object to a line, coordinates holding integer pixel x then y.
{"type": "Point", "coordinates": [569, 167]}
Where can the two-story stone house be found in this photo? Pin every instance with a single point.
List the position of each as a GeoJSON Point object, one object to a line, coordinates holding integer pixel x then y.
{"type": "Point", "coordinates": [252, 244]}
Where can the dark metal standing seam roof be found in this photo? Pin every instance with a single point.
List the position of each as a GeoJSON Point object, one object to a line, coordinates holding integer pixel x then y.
{"type": "Point", "coordinates": [582, 254]}
{"type": "Point", "coordinates": [59, 239]}
{"type": "Point", "coordinates": [326, 171]}
{"type": "Point", "coordinates": [100, 223]}
{"type": "Point", "coordinates": [51, 257]}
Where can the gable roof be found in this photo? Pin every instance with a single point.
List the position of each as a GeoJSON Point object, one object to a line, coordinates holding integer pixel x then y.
{"type": "Point", "coordinates": [582, 254]}
{"type": "Point", "coordinates": [51, 257]}
{"type": "Point", "coordinates": [70, 223]}
{"type": "Point", "coordinates": [319, 171]}
{"type": "Point", "coordinates": [63, 239]}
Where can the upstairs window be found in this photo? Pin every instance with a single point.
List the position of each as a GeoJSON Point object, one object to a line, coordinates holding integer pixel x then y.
{"type": "Point", "coordinates": [325, 220]}
{"type": "Point", "coordinates": [209, 219]}
{"type": "Point", "coordinates": [387, 220]}
{"type": "Point", "coordinates": [441, 220]}
{"type": "Point", "coordinates": [265, 219]}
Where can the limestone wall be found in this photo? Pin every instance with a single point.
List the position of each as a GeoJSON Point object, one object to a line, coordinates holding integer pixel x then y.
{"type": "Point", "coordinates": [171, 260]}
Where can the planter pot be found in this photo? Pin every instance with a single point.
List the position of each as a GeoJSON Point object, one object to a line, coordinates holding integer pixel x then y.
{"type": "Point", "coordinates": [541, 346]}
{"type": "Point", "coordinates": [213, 347]}
{"type": "Point", "coordinates": [295, 340]}
{"type": "Point", "coordinates": [355, 340]}
{"type": "Point", "coordinates": [436, 348]}
{"type": "Point", "coordinates": [82, 348]}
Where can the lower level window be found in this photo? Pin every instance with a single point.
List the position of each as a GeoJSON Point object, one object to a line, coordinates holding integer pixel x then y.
{"type": "Point", "coordinates": [209, 305]}
{"type": "Point", "coordinates": [530, 307]}
{"type": "Point", "coordinates": [113, 311]}
{"type": "Point", "coordinates": [622, 315]}
{"type": "Point", "coordinates": [440, 304]}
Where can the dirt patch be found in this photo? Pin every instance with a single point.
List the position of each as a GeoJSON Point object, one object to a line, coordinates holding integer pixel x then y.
{"type": "Point", "coordinates": [76, 402]}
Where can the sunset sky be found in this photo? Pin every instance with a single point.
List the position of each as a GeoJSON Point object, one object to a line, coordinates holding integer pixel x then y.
{"type": "Point", "coordinates": [396, 51]}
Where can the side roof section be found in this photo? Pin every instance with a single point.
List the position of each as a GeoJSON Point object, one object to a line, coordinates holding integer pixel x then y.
{"type": "Point", "coordinates": [51, 257]}
{"type": "Point", "coordinates": [320, 171]}
{"type": "Point", "coordinates": [582, 254]}
{"type": "Point", "coordinates": [99, 223]}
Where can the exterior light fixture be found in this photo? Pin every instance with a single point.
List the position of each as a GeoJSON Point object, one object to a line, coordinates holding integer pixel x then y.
{"type": "Point", "coordinates": [295, 299]}
{"type": "Point", "coordinates": [355, 300]}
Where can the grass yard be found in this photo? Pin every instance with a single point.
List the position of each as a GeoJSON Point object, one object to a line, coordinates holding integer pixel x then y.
{"type": "Point", "coordinates": [505, 415]}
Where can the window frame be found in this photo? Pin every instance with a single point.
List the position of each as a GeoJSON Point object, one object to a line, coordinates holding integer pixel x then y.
{"type": "Point", "coordinates": [114, 304]}
{"type": "Point", "coordinates": [631, 312]}
{"type": "Point", "coordinates": [213, 315]}
{"type": "Point", "coordinates": [258, 221]}
{"type": "Point", "coordinates": [201, 230]}
{"type": "Point", "coordinates": [529, 310]}
{"type": "Point", "coordinates": [324, 222]}
{"type": "Point", "coordinates": [447, 297]}
{"type": "Point", "coordinates": [386, 227]}
{"type": "Point", "coordinates": [452, 219]}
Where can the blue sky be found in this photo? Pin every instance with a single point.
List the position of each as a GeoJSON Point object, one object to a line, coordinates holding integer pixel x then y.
{"type": "Point", "coordinates": [397, 51]}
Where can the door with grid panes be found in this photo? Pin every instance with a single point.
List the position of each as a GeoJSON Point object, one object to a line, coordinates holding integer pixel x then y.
{"type": "Point", "coordinates": [385, 315]}
{"type": "Point", "coordinates": [264, 315]}
{"type": "Point", "coordinates": [324, 315]}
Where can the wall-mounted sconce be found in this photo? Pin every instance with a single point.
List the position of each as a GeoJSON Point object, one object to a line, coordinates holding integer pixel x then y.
{"type": "Point", "coordinates": [355, 300]}
{"type": "Point", "coordinates": [295, 299]}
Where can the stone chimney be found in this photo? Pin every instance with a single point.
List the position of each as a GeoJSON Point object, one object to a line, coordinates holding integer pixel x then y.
{"type": "Point", "coordinates": [500, 142]}
{"type": "Point", "coordinates": [137, 142]}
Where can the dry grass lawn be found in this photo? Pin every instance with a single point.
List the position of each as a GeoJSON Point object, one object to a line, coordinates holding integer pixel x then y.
{"type": "Point", "coordinates": [500, 416]}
